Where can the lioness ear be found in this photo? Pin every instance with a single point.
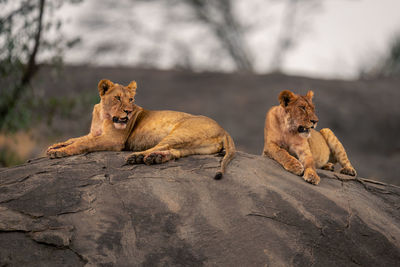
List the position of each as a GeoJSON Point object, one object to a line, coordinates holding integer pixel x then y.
{"type": "Point", "coordinates": [285, 97]}
{"type": "Point", "coordinates": [104, 85]}
{"type": "Point", "coordinates": [310, 94]}
{"type": "Point", "coordinates": [132, 85]}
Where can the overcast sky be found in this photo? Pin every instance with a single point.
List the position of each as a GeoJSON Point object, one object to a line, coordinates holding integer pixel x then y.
{"type": "Point", "coordinates": [345, 35]}
{"type": "Point", "coordinates": [341, 36]}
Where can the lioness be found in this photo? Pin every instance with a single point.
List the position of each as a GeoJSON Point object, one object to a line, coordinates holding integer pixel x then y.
{"type": "Point", "coordinates": [290, 139]}
{"type": "Point", "coordinates": [156, 136]}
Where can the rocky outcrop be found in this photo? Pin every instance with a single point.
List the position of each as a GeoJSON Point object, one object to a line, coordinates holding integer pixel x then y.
{"type": "Point", "coordinates": [94, 210]}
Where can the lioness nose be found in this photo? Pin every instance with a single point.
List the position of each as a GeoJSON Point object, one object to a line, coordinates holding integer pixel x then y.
{"type": "Point", "coordinates": [127, 112]}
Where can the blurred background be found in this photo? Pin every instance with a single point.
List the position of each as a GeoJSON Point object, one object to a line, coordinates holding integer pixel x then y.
{"type": "Point", "coordinates": [226, 59]}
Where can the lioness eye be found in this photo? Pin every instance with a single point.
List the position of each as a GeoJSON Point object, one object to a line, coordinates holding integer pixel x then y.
{"type": "Point", "coordinates": [303, 107]}
{"type": "Point", "coordinates": [118, 97]}
{"type": "Point", "coordinates": [130, 99]}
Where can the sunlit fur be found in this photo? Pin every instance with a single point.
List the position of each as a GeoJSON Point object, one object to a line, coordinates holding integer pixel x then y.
{"type": "Point", "coordinates": [155, 136]}
{"type": "Point", "coordinates": [290, 138]}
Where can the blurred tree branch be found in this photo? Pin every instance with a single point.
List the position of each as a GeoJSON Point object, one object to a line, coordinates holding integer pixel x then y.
{"type": "Point", "coordinates": [31, 66]}
{"type": "Point", "coordinates": [285, 39]}
{"type": "Point", "coordinates": [220, 36]}
{"type": "Point", "coordinates": [21, 40]}
{"type": "Point", "coordinates": [219, 17]}
{"type": "Point", "coordinates": [290, 29]}
{"type": "Point", "coordinates": [29, 70]}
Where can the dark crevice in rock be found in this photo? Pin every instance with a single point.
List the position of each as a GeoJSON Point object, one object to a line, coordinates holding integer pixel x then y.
{"type": "Point", "coordinates": [73, 211]}
{"type": "Point", "coordinates": [378, 190]}
{"type": "Point", "coordinates": [61, 248]}
{"type": "Point", "coordinates": [13, 231]}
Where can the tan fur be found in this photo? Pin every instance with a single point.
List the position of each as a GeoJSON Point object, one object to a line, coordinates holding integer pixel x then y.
{"type": "Point", "coordinates": [290, 139]}
{"type": "Point", "coordinates": [155, 136]}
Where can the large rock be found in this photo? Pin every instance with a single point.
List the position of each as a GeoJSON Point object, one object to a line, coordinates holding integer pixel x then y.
{"type": "Point", "coordinates": [92, 209]}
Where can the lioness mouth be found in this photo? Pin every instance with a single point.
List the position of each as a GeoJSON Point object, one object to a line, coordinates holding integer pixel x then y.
{"type": "Point", "coordinates": [303, 129]}
{"type": "Point", "coordinates": [120, 120]}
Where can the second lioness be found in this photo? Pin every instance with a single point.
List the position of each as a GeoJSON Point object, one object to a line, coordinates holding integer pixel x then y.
{"type": "Point", "coordinates": [290, 139]}
{"type": "Point", "coordinates": [155, 136]}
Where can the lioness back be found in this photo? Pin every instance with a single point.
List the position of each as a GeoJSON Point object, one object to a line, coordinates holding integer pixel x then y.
{"type": "Point", "coordinates": [151, 127]}
{"type": "Point", "coordinates": [154, 125]}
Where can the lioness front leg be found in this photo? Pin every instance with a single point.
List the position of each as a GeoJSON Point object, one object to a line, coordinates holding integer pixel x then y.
{"type": "Point", "coordinates": [61, 145]}
{"type": "Point", "coordinates": [288, 162]}
{"type": "Point", "coordinates": [304, 153]}
{"type": "Point", "coordinates": [95, 130]}
{"type": "Point", "coordinates": [85, 144]}
{"type": "Point", "coordinates": [311, 176]}
{"type": "Point", "coordinates": [110, 140]}
{"type": "Point", "coordinates": [60, 150]}
{"type": "Point", "coordinates": [69, 148]}
{"type": "Point", "coordinates": [63, 150]}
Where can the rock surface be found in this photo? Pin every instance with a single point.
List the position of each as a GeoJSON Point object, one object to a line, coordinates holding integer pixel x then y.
{"type": "Point", "coordinates": [93, 210]}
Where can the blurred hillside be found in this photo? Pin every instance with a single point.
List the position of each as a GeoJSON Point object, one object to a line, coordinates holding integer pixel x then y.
{"type": "Point", "coordinates": [364, 114]}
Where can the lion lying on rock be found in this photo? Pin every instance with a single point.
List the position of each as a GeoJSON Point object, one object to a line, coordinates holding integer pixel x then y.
{"type": "Point", "coordinates": [155, 136]}
{"type": "Point", "coordinates": [290, 139]}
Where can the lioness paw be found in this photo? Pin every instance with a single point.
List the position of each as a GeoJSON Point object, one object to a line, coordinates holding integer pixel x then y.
{"type": "Point", "coordinates": [157, 158]}
{"type": "Point", "coordinates": [58, 146]}
{"type": "Point", "coordinates": [311, 176]}
{"type": "Point", "coordinates": [295, 167]}
{"type": "Point", "coordinates": [329, 167]}
{"type": "Point", "coordinates": [348, 171]}
{"type": "Point", "coordinates": [135, 159]}
{"type": "Point", "coordinates": [56, 153]}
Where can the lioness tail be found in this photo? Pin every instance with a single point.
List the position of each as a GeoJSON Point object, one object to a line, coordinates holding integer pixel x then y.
{"type": "Point", "coordinates": [230, 150]}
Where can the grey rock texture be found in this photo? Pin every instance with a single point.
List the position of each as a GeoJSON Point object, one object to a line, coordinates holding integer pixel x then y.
{"type": "Point", "coordinates": [93, 210]}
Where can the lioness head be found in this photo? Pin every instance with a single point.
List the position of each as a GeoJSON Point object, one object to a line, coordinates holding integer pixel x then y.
{"type": "Point", "coordinates": [300, 112]}
{"type": "Point", "coordinates": [117, 102]}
